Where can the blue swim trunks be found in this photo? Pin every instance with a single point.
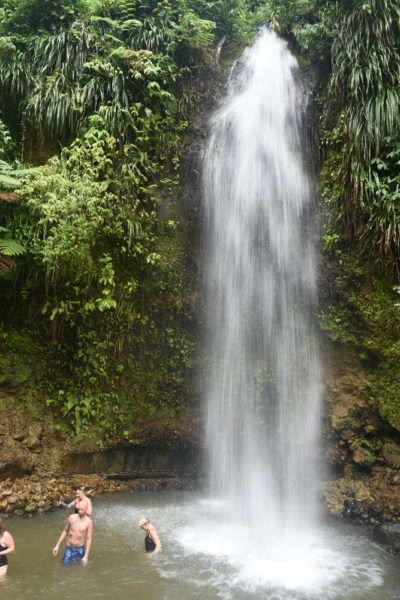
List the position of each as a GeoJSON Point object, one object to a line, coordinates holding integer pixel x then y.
{"type": "Point", "coordinates": [73, 554]}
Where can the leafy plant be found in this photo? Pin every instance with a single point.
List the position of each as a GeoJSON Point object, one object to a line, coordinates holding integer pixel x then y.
{"type": "Point", "coordinates": [365, 56]}
{"type": "Point", "coordinates": [10, 179]}
{"type": "Point", "coordinates": [9, 248]}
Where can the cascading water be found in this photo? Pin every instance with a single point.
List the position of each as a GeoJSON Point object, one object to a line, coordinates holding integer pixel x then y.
{"type": "Point", "coordinates": [260, 526]}
{"type": "Point", "coordinates": [263, 384]}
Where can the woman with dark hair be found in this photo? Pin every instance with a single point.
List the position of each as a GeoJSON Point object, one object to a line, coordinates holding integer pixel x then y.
{"type": "Point", "coordinates": [6, 547]}
{"type": "Point", "coordinates": [80, 496]}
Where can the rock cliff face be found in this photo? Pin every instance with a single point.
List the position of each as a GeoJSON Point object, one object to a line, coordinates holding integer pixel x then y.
{"type": "Point", "coordinates": [38, 463]}
{"type": "Point", "coordinates": [362, 451]}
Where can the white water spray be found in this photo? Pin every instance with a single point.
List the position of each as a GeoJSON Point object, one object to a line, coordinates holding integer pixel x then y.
{"type": "Point", "coordinates": [263, 384]}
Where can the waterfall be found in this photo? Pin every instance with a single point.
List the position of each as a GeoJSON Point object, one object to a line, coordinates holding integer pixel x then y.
{"type": "Point", "coordinates": [262, 391]}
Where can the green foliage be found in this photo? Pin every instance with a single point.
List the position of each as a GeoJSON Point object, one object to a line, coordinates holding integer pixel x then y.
{"type": "Point", "coordinates": [103, 280]}
{"type": "Point", "coordinates": [71, 205]}
{"type": "Point", "coordinates": [103, 275]}
{"type": "Point", "coordinates": [367, 318]}
{"type": "Point", "coordinates": [8, 249]}
{"type": "Point", "coordinates": [102, 62]}
{"type": "Point", "coordinates": [10, 179]}
{"type": "Point", "coordinates": [58, 80]}
{"type": "Point", "coordinates": [365, 72]}
{"type": "Point", "coordinates": [7, 145]}
{"type": "Point", "coordinates": [25, 17]}
{"type": "Point", "coordinates": [380, 235]}
{"type": "Point", "coordinates": [107, 275]}
{"type": "Point", "coordinates": [381, 343]}
{"type": "Point", "coordinates": [360, 189]}
{"type": "Point", "coordinates": [315, 30]}
{"type": "Point", "coordinates": [365, 75]}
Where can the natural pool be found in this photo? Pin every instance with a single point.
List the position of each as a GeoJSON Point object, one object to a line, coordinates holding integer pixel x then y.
{"type": "Point", "coordinates": [203, 557]}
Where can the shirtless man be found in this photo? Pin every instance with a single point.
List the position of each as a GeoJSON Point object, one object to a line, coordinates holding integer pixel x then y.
{"type": "Point", "coordinates": [77, 528]}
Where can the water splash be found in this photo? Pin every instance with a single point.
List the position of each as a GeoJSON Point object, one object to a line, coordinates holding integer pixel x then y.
{"type": "Point", "coordinates": [263, 383]}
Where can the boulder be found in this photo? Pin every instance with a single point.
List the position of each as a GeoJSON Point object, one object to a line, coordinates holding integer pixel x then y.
{"type": "Point", "coordinates": [388, 534]}
{"type": "Point", "coordinates": [32, 441]}
{"type": "Point", "coordinates": [391, 453]}
{"type": "Point", "coordinates": [31, 507]}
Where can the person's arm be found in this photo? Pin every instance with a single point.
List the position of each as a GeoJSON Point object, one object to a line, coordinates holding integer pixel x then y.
{"type": "Point", "coordinates": [9, 542]}
{"type": "Point", "coordinates": [156, 540]}
{"type": "Point", "coordinates": [88, 507]}
{"type": "Point", "coordinates": [62, 536]}
{"type": "Point", "coordinates": [88, 541]}
{"type": "Point", "coordinates": [65, 504]}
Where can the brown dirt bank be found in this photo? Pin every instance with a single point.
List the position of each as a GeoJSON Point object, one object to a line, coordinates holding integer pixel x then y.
{"type": "Point", "coordinates": [38, 463]}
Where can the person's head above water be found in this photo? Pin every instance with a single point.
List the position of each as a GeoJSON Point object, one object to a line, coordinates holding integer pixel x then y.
{"type": "Point", "coordinates": [143, 521]}
{"type": "Point", "coordinates": [80, 492]}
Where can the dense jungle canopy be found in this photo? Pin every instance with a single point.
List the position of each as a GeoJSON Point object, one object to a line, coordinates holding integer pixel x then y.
{"type": "Point", "coordinates": [97, 286]}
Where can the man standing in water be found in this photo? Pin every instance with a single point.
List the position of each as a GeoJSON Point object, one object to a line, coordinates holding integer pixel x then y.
{"type": "Point", "coordinates": [77, 528]}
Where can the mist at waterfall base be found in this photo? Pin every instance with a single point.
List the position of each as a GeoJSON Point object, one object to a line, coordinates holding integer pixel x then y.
{"type": "Point", "coordinates": [263, 381]}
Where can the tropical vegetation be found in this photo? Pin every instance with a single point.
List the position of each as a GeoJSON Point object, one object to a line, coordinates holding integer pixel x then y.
{"type": "Point", "coordinates": [97, 97]}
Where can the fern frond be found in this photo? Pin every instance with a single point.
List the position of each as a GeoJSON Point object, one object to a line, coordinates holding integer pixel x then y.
{"type": "Point", "coordinates": [106, 20]}
{"type": "Point", "coordinates": [5, 264]}
{"type": "Point", "coordinates": [10, 178]}
{"type": "Point", "coordinates": [9, 247]}
{"type": "Point", "coordinates": [9, 182]}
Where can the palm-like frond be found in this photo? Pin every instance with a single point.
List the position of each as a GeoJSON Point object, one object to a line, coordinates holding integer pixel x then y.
{"type": "Point", "coordinates": [74, 73]}
{"type": "Point", "coordinates": [68, 48]}
{"type": "Point", "coordinates": [365, 57]}
{"type": "Point", "coordinates": [15, 71]}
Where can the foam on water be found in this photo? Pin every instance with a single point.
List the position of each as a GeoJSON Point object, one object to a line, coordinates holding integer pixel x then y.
{"type": "Point", "coordinates": [313, 565]}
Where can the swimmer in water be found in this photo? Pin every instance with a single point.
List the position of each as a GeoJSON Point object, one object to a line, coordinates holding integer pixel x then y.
{"type": "Point", "coordinates": [151, 541]}
{"type": "Point", "coordinates": [6, 547]}
{"type": "Point", "coordinates": [79, 526]}
{"type": "Point", "coordinates": [80, 496]}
